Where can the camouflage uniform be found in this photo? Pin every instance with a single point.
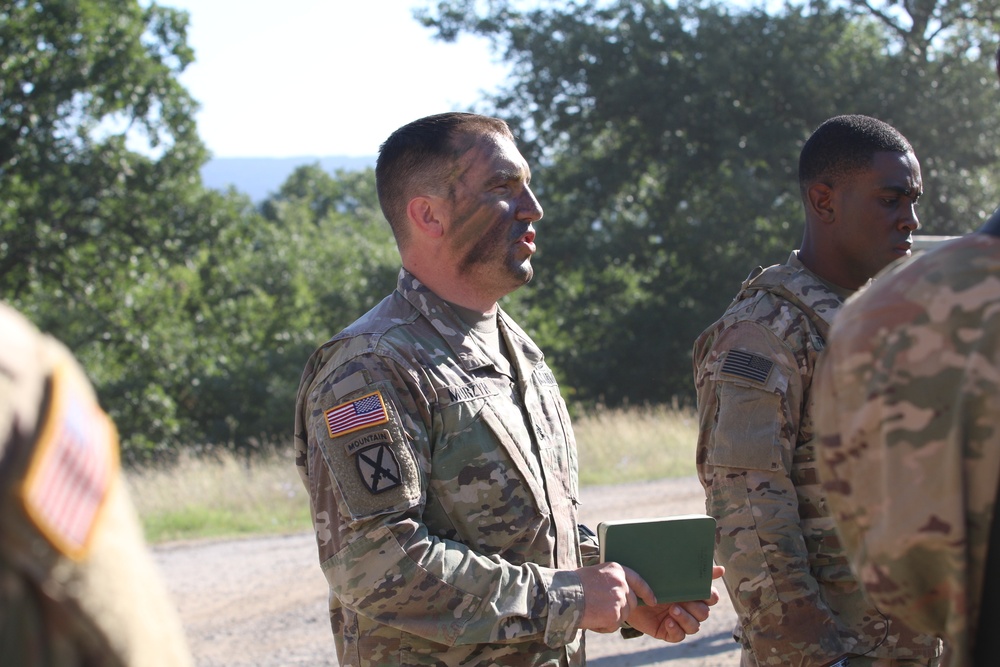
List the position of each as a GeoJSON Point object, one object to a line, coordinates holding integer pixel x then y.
{"type": "Point", "coordinates": [909, 431]}
{"type": "Point", "coordinates": [77, 586]}
{"type": "Point", "coordinates": [444, 492]}
{"type": "Point", "coordinates": [791, 586]}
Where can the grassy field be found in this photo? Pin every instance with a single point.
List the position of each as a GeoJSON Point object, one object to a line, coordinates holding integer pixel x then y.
{"type": "Point", "coordinates": [224, 496]}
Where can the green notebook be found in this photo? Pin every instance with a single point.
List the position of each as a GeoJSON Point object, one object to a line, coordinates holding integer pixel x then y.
{"type": "Point", "coordinates": [674, 554]}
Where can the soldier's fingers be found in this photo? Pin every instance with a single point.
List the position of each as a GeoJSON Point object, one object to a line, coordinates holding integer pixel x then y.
{"type": "Point", "coordinates": [688, 623]}
{"type": "Point", "coordinates": [638, 586]}
{"type": "Point", "coordinates": [631, 602]}
{"type": "Point", "coordinates": [697, 609]}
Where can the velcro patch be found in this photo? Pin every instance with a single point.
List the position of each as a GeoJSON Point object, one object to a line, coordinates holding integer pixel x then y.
{"type": "Point", "coordinates": [373, 465]}
{"type": "Point", "coordinates": [378, 468]}
{"type": "Point", "coordinates": [369, 410]}
{"type": "Point", "coordinates": [71, 470]}
{"type": "Point", "coordinates": [367, 440]}
{"type": "Point", "coordinates": [747, 365]}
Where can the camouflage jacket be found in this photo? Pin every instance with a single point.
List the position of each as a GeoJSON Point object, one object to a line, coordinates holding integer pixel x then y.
{"type": "Point", "coordinates": [77, 585]}
{"type": "Point", "coordinates": [908, 420]}
{"type": "Point", "coordinates": [444, 492]}
{"type": "Point", "coordinates": [790, 583]}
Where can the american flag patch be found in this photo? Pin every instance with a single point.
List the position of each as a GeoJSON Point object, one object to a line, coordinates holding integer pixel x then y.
{"type": "Point", "coordinates": [746, 365]}
{"type": "Point", "coordinates": [71, 470]}
{"type": "Point", "coordinates": [369, 410]}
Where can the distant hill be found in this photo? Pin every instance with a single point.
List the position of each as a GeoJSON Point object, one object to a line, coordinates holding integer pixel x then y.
{"type": "Point", "coordinates": [259, 177]}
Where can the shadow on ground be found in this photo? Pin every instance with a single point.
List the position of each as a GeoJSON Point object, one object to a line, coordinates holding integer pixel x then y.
{"type": "Point", "coordinates": [715, 644]}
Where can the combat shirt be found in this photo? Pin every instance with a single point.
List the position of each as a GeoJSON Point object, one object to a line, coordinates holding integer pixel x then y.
{"type": "Point", "coordinates": [908, 418]}
{"type": "Point", "coordinates": [790, 583]}
{"type": "Point", "coordinates": [443, 490]}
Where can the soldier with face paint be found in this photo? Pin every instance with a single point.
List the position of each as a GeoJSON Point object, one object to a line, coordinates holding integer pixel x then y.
{"type": "Point", "coordinates": [790, 582]}
{"type": "Point", "coordinates": [434, 443]}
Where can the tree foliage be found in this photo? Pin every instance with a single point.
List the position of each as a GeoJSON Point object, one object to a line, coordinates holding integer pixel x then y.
{"type": "Point", "coordinates": [192, 310]}
{"type": "Point", "coordinates": [666, 139]}
{"type": "Point", "coordinates": [75, 77]}
{"type": "Point", "coordinates": [275, 285]}
{"type": "Point", "coordinates": [95, 234]}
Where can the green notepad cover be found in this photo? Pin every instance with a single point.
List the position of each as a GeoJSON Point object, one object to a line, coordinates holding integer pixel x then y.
{"type": "Point", "coordinates": [674, 554]}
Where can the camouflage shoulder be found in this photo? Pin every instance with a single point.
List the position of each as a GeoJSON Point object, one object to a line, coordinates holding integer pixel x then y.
{"type": "Point", "coordinates": [354, 416]}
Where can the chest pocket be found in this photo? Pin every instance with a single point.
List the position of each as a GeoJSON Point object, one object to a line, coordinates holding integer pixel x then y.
{"type": "Point", "coordinates": [485, 488]}
{"type": "Point", "coordinates": [556, 442]}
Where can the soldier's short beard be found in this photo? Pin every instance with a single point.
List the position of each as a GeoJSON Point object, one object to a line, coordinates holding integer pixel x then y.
{"type": "Point", "coordinates": [485, 249]}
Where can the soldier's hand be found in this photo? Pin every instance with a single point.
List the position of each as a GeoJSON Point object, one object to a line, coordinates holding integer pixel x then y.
{"type": "Point", "coordinates": [672, 622]}
{"type": "Point", "coordinates": [610, 594]}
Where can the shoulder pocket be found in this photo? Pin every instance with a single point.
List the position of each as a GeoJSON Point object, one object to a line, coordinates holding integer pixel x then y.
{"type": "Point", "coordinates": [367, 451]}
{"type": "Point", "coordinates": [748, 425]}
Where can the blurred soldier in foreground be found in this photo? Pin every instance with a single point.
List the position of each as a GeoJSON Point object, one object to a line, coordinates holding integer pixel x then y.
{"type": "Point", "coordinates": [908, 416]}
{"type": "Point", "coordinates": [908, 419]}
{"type": "Point", "coordinates": [788, 578]}
{"type": "Point", "coordinates": [436, 448]}
{"type": "Point", "coordinates": [77, 586]}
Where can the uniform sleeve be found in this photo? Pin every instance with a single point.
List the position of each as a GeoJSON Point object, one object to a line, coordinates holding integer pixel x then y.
{"type": "Point", "coordinates": [749, 402]}
{"type": "Point", "coordinates": [369, 491]}
{"type": "Point", "coordinates": [889, 418]}
{"type": "Point", "coordinates": [79, 586]}
{"type": "Point", "coordinates": [590, 548]}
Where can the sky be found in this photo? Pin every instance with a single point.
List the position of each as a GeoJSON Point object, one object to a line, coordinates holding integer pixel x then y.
{"type": "Point", "coordinates": [314, 78]}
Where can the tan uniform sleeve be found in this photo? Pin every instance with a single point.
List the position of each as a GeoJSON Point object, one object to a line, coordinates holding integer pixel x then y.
{"type": "Point", "coordinates": [908, 418]}
{"type": "Point", "coordinates": [73, 560]}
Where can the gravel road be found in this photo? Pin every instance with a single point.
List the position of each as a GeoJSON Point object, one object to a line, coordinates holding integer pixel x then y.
{"type": "Point", "coordinates": [261, 602]}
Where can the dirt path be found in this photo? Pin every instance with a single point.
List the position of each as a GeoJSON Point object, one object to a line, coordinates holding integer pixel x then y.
{"type": "Point", "coordinates": [262, 602]}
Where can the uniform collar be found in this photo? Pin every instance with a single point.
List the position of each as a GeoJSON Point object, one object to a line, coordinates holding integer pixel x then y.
{"type": "Point", "coordinates": [442, 316]}
{"type": "Point", "coordinates": [795, 262]}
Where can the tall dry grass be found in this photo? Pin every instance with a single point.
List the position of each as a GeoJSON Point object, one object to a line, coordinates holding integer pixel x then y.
{"type": "Point", "coordinates": [220, 496]}
{"type": "Point", "coordinates": [226, 496]}
{"type": "Point", "coordinates": [635, 444]}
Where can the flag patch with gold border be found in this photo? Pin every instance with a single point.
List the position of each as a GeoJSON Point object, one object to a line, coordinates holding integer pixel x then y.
{"type": "Point", "coordinates": [72, 468]}
{"type": "Point", "coordinates": [368, 410]}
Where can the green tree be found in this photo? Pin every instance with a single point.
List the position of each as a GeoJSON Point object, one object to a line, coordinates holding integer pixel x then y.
{"type": "Point", "coordinates": [666, 139]}
{"type": "Point", "coordinates": [321, 256]}
{"type": "Point", "coordinates": [918, 24]}
{"type": "Point", "coordinates": [78, 79]}
{"type": "Point", "coordinates": [97, 238]}
{"type": "Point", "coordinates": [343, 252]}
{"type": "Point", "coordinates": [221, 340]}
{"type": "Point", "coordinates": [193, 311]}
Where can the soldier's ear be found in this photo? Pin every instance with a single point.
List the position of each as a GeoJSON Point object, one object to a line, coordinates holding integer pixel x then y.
{"type": "Point", "coordinates": [427, 215]}
{"type": "Point", "coordinates": [819, 200]}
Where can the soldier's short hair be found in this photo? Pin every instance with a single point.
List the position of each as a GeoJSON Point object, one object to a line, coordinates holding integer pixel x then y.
{"type": "Point", "coordinates": [419, 157]}
{"type": "Point", "coordinates": [844, 145]}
